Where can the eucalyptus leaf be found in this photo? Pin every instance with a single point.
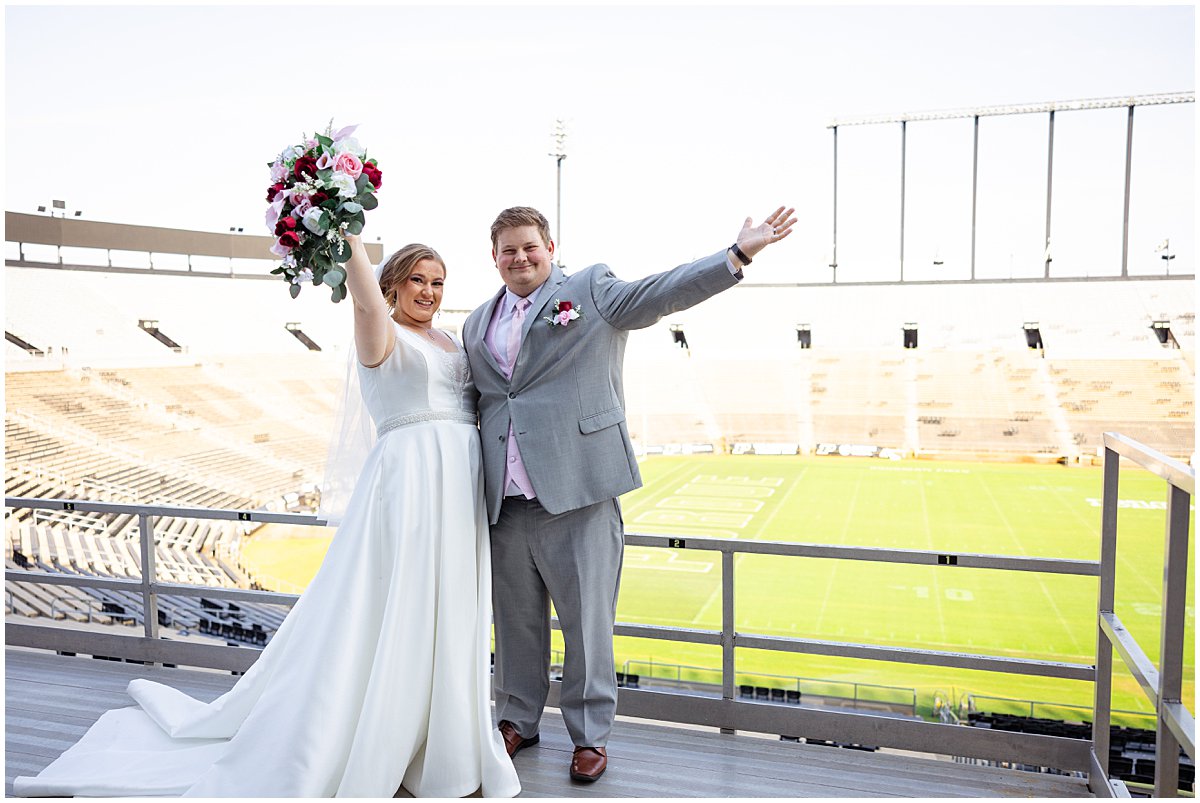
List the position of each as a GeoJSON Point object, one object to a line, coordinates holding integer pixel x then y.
{"type": "Point", "coordinates": [324, 175]}
{"type": "Point", "coordinates": [334, 277]}
{"type": "Point", "coordinates": [355, 227]}
{"type": "Point", "coordinates": [360, 184]}
{"type": "Point", "coordinates": [342, 252]}
{"type": "Point", "coordinates": [339, 293]}
{"type": "Point", "coordinates": [294, 290]}
{"type": "Point", "coordinates": [352, 207]}
{"type": "Point", "coordinates": [330, 204]}
{"type": "Point", "coordinates": [369, 202]}
{"type": "Point", "coordinates": [280, 269]}
{"type": "Point", "coordinates": [324, 140]}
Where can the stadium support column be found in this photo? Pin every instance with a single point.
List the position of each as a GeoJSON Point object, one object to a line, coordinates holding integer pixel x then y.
{"type": "Point", "coordinates": [974, 192]}
{"type": "Point", "coordinates": [1049, 188]}
{"type": "Point", "coordinates": [1128, 173]}
{"type": "Point", "coordinates": [833, 261]}
{"type": "Point", "coordinates": [903, 152]}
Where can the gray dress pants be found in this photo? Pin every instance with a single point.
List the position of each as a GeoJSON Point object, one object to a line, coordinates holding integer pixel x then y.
{"type": "Point", "coordinates": [574, 559]}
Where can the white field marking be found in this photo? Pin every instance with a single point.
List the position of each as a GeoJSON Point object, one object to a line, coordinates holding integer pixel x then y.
{"type": "Point", "coordinates": [772, 482]}
{"type": "Point", "coordinates": [666, 562]}
{"type": "Point", "coordinates": [683, 518]}
{"type": "Point", "coordinates": [937, 597]}
{"type": "Point", "coordinates": [920, 469]}
{"type": "Point", "coordinates": [1136, 504]}
{"type": "Point", "coordinates": [728, 505]}
{"type": "Point", "coordinates": [735, 491]}
{"type": "Point", "coordinates": [833, 564]}
{"type": "Point", "coordinates": [737, 558]}
{"type": "Point", "coordinates": [669, 476]}
{"type": "Point", "coordinates": [1062, 621]}
{"type": "Point", "coordinates": [1094, 528]}
{"type": "Point", "coordinates": [1155, 609]}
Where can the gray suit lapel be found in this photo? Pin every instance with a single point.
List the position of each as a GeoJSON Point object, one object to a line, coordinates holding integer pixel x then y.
{"type": "Point", "coordinates": [481, 327]}
{"type": "Point", "coordinates": [546, 294]}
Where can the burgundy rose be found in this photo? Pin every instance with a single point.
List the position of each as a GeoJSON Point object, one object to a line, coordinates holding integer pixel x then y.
{"type": "Point", "coordinates": [305, 164]}
{"type": "Point", "coordinates": [373, 174]}
{"type": "Point", "coordinates": [319, 197]}
{"type": "Point", "coordinates": [285, 224]}
{"type": "Point", "coordinates": [564, 306]}
{"type": "Point", "coordinates": [289, 239]}
{"type": "Point", "coordinates": [274, 190]}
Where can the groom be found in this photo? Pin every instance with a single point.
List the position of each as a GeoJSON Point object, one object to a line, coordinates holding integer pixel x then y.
{"type": "Point", "coordinates": [546, 355]}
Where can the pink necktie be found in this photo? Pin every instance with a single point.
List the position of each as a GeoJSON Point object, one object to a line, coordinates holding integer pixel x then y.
{"type": "Point", "coordinates": [514, 331]}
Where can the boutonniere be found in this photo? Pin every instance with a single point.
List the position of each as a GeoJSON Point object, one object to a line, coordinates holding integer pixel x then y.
{"type": "Point", "coordinates": [564, 313]}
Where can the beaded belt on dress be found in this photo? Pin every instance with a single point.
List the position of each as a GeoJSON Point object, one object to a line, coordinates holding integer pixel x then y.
{"type": "Point", "coordinates": [397, 421]}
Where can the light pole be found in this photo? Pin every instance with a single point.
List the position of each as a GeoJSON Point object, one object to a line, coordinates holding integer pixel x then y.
{"type": "Point", "coordinates": [1167, 256]}
{"type": "Point", "coordinates": [559, 153]}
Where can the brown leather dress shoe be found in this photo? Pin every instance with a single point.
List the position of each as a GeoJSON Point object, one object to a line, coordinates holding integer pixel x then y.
{"type": "Point", "coordinates": [513, 741]}
{"type": "Point", "coordinates": [588, 763]}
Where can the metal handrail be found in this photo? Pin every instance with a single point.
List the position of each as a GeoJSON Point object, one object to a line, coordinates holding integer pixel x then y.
{"type": "Point", "coordinates": [727, 713]}
{"type": "Point", "coordinates": [1162, 684]}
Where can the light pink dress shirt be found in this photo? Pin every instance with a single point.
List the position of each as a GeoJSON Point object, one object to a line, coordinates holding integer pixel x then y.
{"type": "Point", "coordinates": [516, 478]}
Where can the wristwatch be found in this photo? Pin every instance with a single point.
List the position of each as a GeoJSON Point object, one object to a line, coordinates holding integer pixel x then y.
{"type": "Point", "coordinates": [740, 254]}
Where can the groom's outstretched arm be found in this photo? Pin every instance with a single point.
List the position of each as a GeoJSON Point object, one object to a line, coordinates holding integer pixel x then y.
{"type": "Point", "coordinates": [641, 303]}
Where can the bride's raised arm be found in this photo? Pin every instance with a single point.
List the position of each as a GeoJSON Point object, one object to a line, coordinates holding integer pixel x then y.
{"type": "Point", "coordinates": [374, 336]}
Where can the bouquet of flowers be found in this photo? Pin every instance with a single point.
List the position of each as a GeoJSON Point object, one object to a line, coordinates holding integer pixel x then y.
{"type": "Point", "coordinates": [320, 191]}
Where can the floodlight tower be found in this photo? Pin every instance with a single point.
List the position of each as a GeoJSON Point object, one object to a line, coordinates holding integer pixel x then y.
{"type": "Point", "coordinates": [559, 153]}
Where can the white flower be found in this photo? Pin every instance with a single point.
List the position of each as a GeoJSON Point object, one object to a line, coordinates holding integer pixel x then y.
{"type": "Point", "coordinates": [343, 184]}
{"type": "Point", "coordinates": [297, 151]}
{"type": "Point", "coordinates": [312, 220]}
{"type": "Point", "coordinates": [305, 275]}
{"type": "Point", "coordinates": [349, 144]}
{"type": "Point", "coordinates": [289, 261]}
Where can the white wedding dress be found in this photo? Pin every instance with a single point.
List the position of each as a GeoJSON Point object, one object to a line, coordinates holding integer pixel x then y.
{"type": "Point", "coordinates": [379, 676]}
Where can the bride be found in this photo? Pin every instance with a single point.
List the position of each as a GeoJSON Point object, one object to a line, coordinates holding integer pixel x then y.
{"type": "Point", "coordinates": [379, 676]}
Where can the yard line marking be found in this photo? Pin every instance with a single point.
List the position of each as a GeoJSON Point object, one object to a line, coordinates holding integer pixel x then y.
{"type": "Point", "coordinates": [1062, 620]}
{"type": "Point", "coordinates": [666, 482]}
{"type": "Point", "coordinates": [716, 594]}
{"type": "Point", "coordinates": [1122, 557]}
{"type": "Point", "coordinates": [834, 563]}
{"type": "Point", "coordinates": [937, 589]}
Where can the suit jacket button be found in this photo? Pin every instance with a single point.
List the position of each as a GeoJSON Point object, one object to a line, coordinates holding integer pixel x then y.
{"type": "Point", "coordinates": [512, 395]}
{"type": "Point", "coordinates": [502, 439]}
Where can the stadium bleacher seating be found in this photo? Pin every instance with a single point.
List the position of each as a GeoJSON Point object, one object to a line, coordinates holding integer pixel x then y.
{"type": "Point", "coordinates": [240, 417]}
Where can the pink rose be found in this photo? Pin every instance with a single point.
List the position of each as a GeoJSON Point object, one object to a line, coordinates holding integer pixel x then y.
{"type": "Point", "coordinates": [564, 317]}
{"type": "Point", "coordinates": [301, 205]}
{"type": "Point", "coordinates": [349, 164]}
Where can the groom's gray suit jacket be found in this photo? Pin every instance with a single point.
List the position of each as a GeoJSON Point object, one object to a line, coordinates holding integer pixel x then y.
{"type": "Point", "coordinates": [566, 400]}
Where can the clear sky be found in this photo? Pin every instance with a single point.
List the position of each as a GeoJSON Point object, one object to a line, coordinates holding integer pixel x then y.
{"type": "Point", "coordinates": [682, 121]}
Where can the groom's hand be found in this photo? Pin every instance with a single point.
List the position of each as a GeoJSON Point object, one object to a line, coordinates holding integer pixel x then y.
{"type": "Point", "coordinates": [752, 239]}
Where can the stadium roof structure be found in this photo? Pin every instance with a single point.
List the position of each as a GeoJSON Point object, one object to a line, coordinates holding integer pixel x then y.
{"type": "Point", "coordinates": [975, 113]}
{"type": "Point", "coordinates": [1020, 108]}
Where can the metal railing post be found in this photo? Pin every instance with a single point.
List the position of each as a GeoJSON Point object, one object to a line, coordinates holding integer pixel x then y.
{"type": "Point", "coordinates": [1102, 706]}
{"type": "Point", "coordinates": [149, 576]}
{"type": "Point", "coordinates": [728, 629]}
{"type": "Point", "coordinates": [1170, 655]}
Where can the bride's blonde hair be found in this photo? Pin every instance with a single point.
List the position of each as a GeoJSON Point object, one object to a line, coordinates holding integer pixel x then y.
{"type": "Point", "coordinates": [400, 265]}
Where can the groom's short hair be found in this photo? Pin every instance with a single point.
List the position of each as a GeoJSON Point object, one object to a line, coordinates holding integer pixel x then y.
{"type": "Point", "coordinates": [516, 216]}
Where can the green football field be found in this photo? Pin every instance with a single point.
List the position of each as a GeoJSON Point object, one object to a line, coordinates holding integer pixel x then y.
{"type": "Point", "coordinates": [993, 508]}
